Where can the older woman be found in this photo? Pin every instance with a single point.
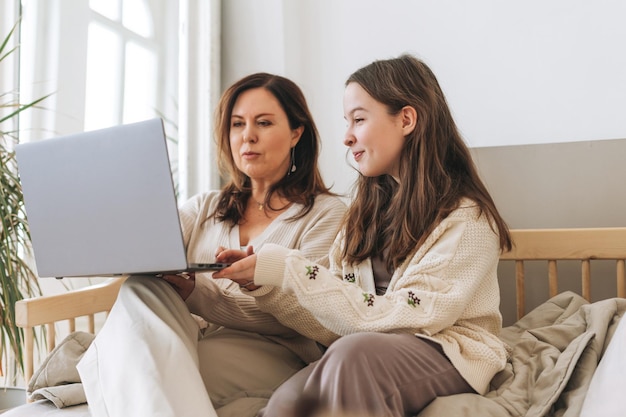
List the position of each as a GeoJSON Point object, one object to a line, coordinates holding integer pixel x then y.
{"type": "Point", "coordinates": [151, 358]}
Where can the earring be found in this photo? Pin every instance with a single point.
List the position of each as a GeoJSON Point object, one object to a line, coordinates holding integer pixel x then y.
{"type": "Point", "coordinates": [293, 161]}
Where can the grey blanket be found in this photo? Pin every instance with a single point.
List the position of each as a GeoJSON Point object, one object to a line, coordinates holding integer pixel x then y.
{"type": "Point", "coordinates": [57, 378]}
{"type": "Point", "coordinates": [555, 350]}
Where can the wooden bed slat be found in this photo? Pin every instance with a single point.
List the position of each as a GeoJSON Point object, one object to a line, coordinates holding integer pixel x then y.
{"type": "Point", "coordinates": [553, 278]}
{"type": "Point", "coordinates": [586, 279]}
{"type": "Point", "coordinates": [621, 278]}
{"type": "Point", "coordinates": [29, 352]}
{"type": "Point", "coordinates": [520, 295]}
{"type": "Point", "coordinates": [50, 336]}
{"type": "Point", "coordinates": [92, 323]}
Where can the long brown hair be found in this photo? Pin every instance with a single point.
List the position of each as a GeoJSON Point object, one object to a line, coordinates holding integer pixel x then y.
{"type": "Point", "coordinates": [436, 169]}
{"type": "Point", "coordinates": [301, 186]}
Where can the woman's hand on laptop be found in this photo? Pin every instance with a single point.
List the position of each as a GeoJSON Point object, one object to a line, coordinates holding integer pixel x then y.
{"type": "Point", "coordinates": [182, 283]}
{"type": "Point", "coordinates": [228, 256]}
{"type": "Point", "coordinates": [242, 269]}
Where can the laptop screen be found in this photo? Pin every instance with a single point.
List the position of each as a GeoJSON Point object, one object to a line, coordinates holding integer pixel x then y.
{"type": "Point", "coordinates": [102, 203]}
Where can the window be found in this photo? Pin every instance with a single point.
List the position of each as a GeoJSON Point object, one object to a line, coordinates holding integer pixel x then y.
{"type": "Point", "coordinates": [122, 63]}
{"type": "Point", "coordinates": [108, 62]}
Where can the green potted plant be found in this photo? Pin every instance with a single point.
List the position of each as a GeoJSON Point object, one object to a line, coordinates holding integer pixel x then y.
{"type": "Point", "coordinates": [17, 279]}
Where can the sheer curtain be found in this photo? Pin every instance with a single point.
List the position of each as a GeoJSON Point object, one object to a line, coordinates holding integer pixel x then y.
{"type": "Point", "coordinates": [199, 91]}
{"type": "Point", "coordinates": [9, 76]}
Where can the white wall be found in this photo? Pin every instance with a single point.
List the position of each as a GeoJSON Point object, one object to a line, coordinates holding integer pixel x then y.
{"type": "Point", "coordinates": [533, 71]}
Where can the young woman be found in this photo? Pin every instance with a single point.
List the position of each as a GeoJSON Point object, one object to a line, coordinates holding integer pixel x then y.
{"type": "Point", "coordinates": [410, 304]}
{"type": "Point", "coordinates": [151, 359]}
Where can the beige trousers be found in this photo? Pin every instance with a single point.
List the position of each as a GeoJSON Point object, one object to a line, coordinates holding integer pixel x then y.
{"type": "Point", "coordinates": [151, 360]}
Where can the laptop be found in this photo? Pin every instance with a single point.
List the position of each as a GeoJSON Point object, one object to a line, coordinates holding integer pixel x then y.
{"type": "Point", "coordinates": [103, 203]}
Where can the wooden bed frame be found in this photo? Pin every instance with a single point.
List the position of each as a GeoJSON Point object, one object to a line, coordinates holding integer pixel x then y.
{"type": "Point", "coordinates": [551, 245]}
{"type": "Point", "coordinates": [554, 245]}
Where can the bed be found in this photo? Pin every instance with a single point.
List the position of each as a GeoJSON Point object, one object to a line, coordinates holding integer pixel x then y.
{"type": "Point", "coordinates": [554, 348]}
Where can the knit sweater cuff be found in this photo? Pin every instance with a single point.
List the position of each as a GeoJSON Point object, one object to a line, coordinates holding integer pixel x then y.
{"type": "Point", "coordinates": [270, 265]}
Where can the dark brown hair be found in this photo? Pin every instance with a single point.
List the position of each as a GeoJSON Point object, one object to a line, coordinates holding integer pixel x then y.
{"type": "Point", "coordinates": [436, 169]}
{"type": "Point", "coordinates": [301, 186]}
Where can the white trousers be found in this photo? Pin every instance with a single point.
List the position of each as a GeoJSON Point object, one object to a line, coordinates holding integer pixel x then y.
{"type": "Point", "coordinates": [147, 361]}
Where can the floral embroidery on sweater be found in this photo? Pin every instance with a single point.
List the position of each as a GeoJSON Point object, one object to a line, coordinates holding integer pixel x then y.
{"type": "Point", "coordinates": [369, 299]}
{"type": "Point", "coordinates": [414, 301]}
{"type": "Point", "coordinates": [349, 277]}
{"type": "Point", "coordinates": [311, 271]}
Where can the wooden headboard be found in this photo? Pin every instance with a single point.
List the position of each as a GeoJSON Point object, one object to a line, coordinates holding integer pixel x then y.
{"type": "Point", "coordinates": [554, 245]}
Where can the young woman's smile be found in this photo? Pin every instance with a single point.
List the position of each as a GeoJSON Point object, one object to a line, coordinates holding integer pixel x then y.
{"type": "Point", "coordinates": [374, 136]}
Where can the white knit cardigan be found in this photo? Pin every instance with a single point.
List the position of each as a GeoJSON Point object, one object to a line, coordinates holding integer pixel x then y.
{"type": "Point", "coordinates": [446, 291]}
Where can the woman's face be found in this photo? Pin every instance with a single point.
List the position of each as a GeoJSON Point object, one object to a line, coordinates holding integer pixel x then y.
{"type": "Point", "coordinates": [260, 136]}
{"type": "Point", "coordinates": [374, 137]}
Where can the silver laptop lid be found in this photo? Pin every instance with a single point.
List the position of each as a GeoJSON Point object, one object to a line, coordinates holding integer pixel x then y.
{"type": "Point", "coordinates": [102, 203]}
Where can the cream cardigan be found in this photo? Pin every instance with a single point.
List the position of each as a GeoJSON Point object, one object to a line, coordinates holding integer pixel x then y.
{"type": "Point", "coordinates": [447, 291]}
{"type": "Point", "coordinates": [220, 301]}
